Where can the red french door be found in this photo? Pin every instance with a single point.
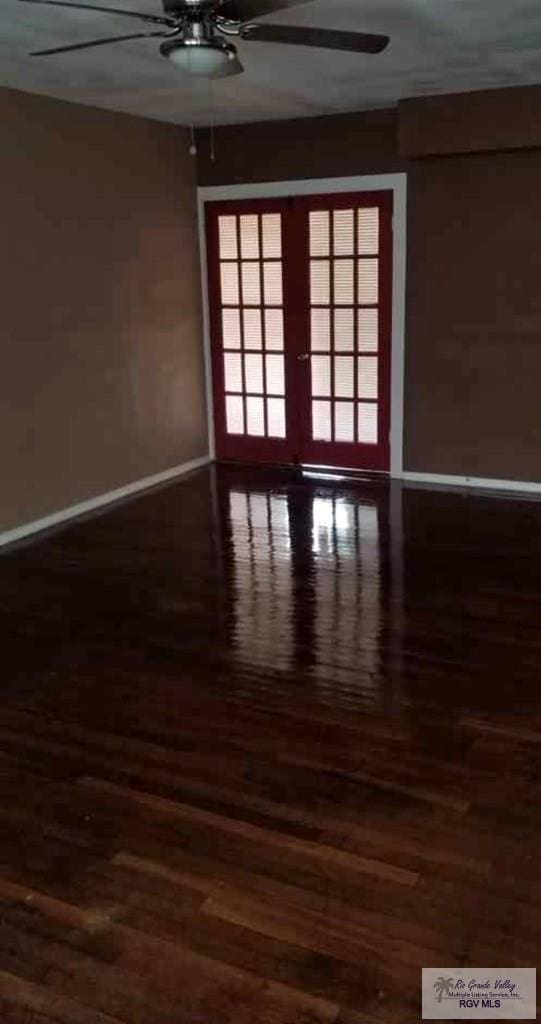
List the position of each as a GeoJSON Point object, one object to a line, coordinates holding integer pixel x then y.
{"type": "Point", "coordinates": [300, 309]}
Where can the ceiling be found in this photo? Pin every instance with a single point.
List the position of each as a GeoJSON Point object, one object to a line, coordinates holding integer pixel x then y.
{"type": "Point", "coordinates": [437, 46]}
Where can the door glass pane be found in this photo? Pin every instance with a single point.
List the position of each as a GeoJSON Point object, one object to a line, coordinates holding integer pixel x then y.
{"type": "Point", "coordinates": [233, 371]}
{"type": "Point", "coordinates": [251, 284]}
{"type": "Point", "coordinates": [344, 231]}
{"type": "Point", "coordinates": [275, 375]}
{"type": "Point", "coordinates": [344, 334]}
{"type": "Point", "coordinates": [343, 282]}
{"type": "Point", "coordinates": [272, 273]}
{"type": "Point", "coordinates": [231, 328]}
{"type": "Point", "coordinates": [368, 377]}
{"type": "Point", "coordinates": [344, 415]}
{"type": "Point", "coordinates": [276, 417]}
{"type": "Point", "coordinates": [344, 377]}
{"type": "Point", "coordinates": [368, 232]}
{"type": "Point", "coordinates": [229, 274]}
{"type": "Point", "coordinates": [321, 330]}
{"type": "Point", "coordinates": [368, 330]}
{"type": "Point", "coordinates": [227, 230]}
{"type": "Point", "coordinates": [321, 376]}
{"type": "Point", "coordinates": [272, 236]}
{"type": "Point", "coordinates": [249, 237]}
{"type": "Point", "coordinates": [368, 423]}
{"type": "Point", "coordinates": [234, 414]}
{"type": "Point", "coordinates": [274, 329]}
{"type": "Point", "coordinates": [368, 282]}
{"type": "Point", "coordinates": [255, 416]}
{"type": "Point", "coordinates": [319, 233]}
{"type": "Point", "coordinates": [321, 421]}
{"type": "Point", "coordinates": [253, 368]}
{"type": "Point", "coordinates": [253, 337]}
{"type": "Point", "coordinates": [320, 282]}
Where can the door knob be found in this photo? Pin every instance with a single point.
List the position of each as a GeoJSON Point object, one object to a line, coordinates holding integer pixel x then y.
{"type": "Point", "coordinates": [304, 357]}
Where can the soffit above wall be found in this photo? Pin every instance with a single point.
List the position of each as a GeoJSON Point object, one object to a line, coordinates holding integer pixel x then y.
{"type": "Point", "coordinates": [470, 123]}
{"type": "Point", "coordinates": [438, 46]}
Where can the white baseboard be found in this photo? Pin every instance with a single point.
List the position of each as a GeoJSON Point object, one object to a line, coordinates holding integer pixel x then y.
{"type": "Point", "coordinates": [472, 482]}
{"type": "Point", "coordinates": [111, 497]}
{"type": "Point", "coordinates": [65, 514]}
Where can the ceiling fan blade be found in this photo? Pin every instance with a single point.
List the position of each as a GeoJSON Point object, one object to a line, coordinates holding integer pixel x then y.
{"type": "Point", "coordinates": [152, 19]}
{"type": "Point", "coordinates": [248, 10]}
{"type": "Point", "coordinates": [329, 39]}
{"type": "Point", "coordinates": [96, 42]}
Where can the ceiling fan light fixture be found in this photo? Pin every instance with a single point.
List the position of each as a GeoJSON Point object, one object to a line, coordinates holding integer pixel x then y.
{"type": "Point", "coordinates": [202, 58]}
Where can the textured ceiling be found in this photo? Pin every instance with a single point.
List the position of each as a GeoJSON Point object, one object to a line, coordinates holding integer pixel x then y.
{"type": "Point", "coordinates": [437, 46]}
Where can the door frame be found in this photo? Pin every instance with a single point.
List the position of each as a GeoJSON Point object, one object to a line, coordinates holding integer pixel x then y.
{"type": "Point", "coordinates": [395, 183]}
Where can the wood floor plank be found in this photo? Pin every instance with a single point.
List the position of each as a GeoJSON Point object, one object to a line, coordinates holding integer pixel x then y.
{"type": "Point", "coordinates": [322, 976]}
{"type": "Point", "coordinates": [340, 860]}
{"type": "Point", "coordinates": [173, 963]}
{"type": "Point", "coordinates": [40, 1000]}
{"type": "Point", "coordinates": [343, 940]}
{"type": "Point", "coordinates": [298, 902]}
{"type": "Point", "coordinates": [17, 1014]}
{"type": "Point", "coordinates": [68, 972]}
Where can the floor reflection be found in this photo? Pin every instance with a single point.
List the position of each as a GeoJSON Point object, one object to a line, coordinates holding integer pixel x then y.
{"type": "Point", "coordinates": [309, 586]}
{"type": "Point", "coordinates": [260, 542]}
{"type": "Point", "coordinates": [348, 595]}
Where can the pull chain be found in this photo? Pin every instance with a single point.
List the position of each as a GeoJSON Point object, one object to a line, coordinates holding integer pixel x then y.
{"type": "Point", "coordinates": [212, 119]}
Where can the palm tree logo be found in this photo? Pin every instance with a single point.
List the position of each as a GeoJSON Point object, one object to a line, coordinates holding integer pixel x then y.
{"type": "Point", "coordinates": [443, 987]}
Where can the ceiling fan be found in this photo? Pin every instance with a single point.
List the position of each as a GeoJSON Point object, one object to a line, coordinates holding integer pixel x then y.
{"type": "Point", "coordinates": [194, 32]}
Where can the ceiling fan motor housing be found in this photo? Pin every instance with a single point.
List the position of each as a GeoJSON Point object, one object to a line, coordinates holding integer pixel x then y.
{"type": "Point", "coordinates": [186, 7]}
{"type": "Point", "coordinates": [199, 50]}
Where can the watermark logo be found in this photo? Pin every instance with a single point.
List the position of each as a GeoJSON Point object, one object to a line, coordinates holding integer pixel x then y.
{"type": "Point", "coordinates": [479, 993]}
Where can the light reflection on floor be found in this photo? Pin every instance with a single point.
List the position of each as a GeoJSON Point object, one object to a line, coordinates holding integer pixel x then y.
{"type": "Point", "coordinates": [347, 583]}
{"type": "Point", "coordinates": [261, 546]}
{"type": "Point", "coordinates": [306, 567]}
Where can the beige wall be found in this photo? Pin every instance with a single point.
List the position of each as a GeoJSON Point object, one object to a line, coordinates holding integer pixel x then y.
{"type": "Point", "coordinates": [102, 378]}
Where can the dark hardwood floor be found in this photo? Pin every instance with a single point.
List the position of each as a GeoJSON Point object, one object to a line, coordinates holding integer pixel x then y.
{"type": "Point", "coordinates": [269, 748]}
